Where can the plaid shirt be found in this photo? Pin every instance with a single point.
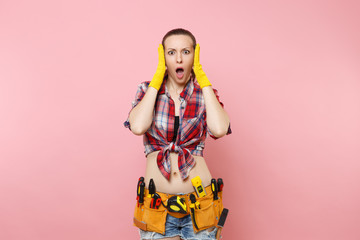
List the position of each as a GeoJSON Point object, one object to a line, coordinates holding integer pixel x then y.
{"type": "Point", "coordinates": [192, 130]}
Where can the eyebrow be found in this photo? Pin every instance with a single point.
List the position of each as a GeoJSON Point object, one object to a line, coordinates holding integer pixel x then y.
{"type": "Point", "coordinates": [175, 49]}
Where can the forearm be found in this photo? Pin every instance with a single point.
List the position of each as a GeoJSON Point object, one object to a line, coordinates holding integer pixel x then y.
{"type": "Point", "coordinates": [217, 119]}
{"type": "Point", "coordinates": [141, 116]}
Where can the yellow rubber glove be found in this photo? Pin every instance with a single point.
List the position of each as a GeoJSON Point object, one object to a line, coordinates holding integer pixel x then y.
{"type": "Point", "coordinates": [160, 70]}
{"type": "Point", "coordinates": [199, 73]}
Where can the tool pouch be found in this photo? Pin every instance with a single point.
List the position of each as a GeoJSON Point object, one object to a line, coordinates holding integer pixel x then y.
{"type": "Point", "coordinates": [209, 213]}
{"type": "Point", "coordinates": [149, 219]}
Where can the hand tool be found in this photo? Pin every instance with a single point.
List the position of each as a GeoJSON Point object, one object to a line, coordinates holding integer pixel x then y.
{"type": "Point", "coordinates": [194, 202]}
{"type": "Point", "coordinates": [214, 188]}
{"type": "Point", "coordinates": [192, 207]}
{"type": "Point", "coordinates": [155, 201]}
{"type": "Point", "coordinates": [155, 198]}
{"type": "Point", "coordinates": [141, 193]}
{"type": "Point", "coordinates": [176, 204]}
{"type": "Point", "coordinates": [220, 184]}
{"type": "Point", "coordinates": [221, 222]}
{"type": "Point", "coordinates": [152, 189]}
{"type": "Point", "coordinates": [200, 190]}
{"type": "Point", "coordinates": [141, 179]}
{"type": "Point", "coordinates": [223, 217]}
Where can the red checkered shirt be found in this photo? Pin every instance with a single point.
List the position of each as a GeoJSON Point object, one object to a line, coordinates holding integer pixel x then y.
{"type": "Point", "coordinates": [192, 130]}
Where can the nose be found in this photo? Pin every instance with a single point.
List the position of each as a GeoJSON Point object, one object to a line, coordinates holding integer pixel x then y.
{"type": "Point", "coordinates": [179, 58]}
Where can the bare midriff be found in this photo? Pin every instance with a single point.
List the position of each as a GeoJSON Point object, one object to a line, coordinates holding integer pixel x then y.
{"type": "Point", "coordinates": [175, 184]}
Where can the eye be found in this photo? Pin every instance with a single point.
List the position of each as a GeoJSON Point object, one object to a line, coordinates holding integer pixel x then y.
{"type": "Point", "coordinates": [171, 52]}
{"type": "Point", "coordinates": [186, 51]}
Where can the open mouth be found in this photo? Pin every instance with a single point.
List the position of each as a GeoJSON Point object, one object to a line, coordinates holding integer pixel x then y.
{"type": "Point", "coordinates": [180, 72]}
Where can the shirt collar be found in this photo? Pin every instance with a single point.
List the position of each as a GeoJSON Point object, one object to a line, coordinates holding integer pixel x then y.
{"type": "Point", "coordinates": [187, 91]}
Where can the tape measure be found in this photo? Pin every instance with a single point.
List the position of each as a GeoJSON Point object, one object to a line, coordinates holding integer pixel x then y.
{"type": "Point", "coordinates": [176, 204]}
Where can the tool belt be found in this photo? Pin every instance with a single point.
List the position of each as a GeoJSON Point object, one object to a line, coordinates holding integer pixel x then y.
{"type": "Point", "coordinates": [205, 215]}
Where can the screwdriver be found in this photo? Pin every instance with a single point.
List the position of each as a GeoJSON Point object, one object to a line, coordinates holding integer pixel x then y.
{"type": "Point", "coordinates": [214, 188]}
{"type": "Point", "coordinates": [220, 184]}
{"type": "Point", "coordinates": [192, 207]}
{"type": "Point", "coordinates": [141, 179]}
{"type": "Point", "coordinates": [141, 193]}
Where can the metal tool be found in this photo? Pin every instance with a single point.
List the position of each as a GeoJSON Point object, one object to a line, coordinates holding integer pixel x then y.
{"type": "Point", "coordinates": [192, 207]}
{"type": "Point", "coordinates": [221, 222]}
{"type": "Point", "coordinates": [223, 217]}
{"type": "Point", "coordinates": [138, 190]}
{"type": "Point", "coordinates": [152, 188]}
{"type": "Point", "coordinates": [199, 189]}
{"type": "Point", "coordinates": [214, 188]}
{"type": "Point", "coordinates": [155, 201]}
{"type": "Point", "coordinates": [141, 193]}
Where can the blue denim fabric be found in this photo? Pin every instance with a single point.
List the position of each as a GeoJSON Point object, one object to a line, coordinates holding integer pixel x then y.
{"type": "Point", "coordinates": [182, 227]}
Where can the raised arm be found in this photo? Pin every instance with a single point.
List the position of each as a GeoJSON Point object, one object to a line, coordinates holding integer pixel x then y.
{"type": "Point", "coordinates": [140, 117]}
{"type": "Point", "coordinates": [217, 119]}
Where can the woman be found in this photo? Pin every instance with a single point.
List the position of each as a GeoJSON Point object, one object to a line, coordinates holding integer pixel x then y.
{"type": "Point", "coordinates": [174, 112]}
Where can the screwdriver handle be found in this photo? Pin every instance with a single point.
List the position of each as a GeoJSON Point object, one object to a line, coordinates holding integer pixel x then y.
{"type": "Point", "coordinates": [220, 184]}
{"type": "Point", "coordinates": [141, 179]}
{"type": "Point", "coordinates": [192, 198]}
{"type": "Point", "coordinates": [141, 194]}
{"type": "Point", "coordinates": [214, 188]}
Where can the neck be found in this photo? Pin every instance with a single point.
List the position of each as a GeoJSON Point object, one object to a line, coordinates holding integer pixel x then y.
{"type": "Point", "coordinates": [172, 85]}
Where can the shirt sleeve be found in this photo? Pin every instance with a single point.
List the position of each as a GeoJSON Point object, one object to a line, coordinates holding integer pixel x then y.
{"type": "Point", "coordinates": [229, 129]}
{"type": "Point", "coordinates": [140, 93]}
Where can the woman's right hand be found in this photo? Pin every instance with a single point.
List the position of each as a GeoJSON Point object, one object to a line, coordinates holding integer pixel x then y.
{"type": "Point", "coordinates": [160, 70]}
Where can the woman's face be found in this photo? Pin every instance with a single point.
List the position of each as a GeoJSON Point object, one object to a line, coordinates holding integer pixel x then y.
{"type": "Point", "coordinates": [179, 57]}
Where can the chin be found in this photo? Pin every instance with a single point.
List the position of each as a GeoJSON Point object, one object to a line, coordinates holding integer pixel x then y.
{"type": "Point", "coordinates": [183, 80]}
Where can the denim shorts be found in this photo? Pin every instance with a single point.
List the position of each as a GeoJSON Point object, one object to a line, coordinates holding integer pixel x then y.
{"type": "Point", "coordinates": [182, 227]}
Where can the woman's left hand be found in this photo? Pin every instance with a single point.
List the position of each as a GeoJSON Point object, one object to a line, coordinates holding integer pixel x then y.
{"type": "Point", "coordinates": [199, 73]}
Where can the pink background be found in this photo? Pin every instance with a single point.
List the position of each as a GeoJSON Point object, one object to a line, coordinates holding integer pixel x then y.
{"type": "Point", "coordinates": [288, 74]}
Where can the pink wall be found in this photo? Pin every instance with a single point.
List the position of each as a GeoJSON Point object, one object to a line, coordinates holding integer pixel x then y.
{"type": "Point", "coordinates": [288, 74]}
